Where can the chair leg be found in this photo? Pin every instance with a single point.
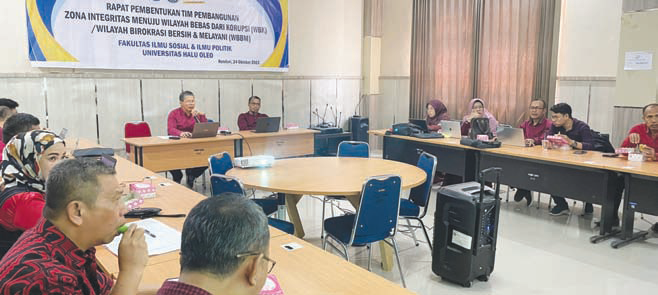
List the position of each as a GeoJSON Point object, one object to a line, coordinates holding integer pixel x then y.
{"type": "Point", "coordinates": [324, 244]}
{"type": "Point", "coordinates": [397, 258]}
{"type": "Point", "coordinates": [538, 199]}
{"type": "Point", "coordinates": [332, 208]}
{"type": "Point", "coordinates": [324, 202]}
{"type": "Point", "coordinates": [429, 242]}
{"type": "Point", "coordinates": [507, 198]}
{"type": "Point", "coordinates": [550, 201]}
{"type": "Point", "coordinates": [413, 232]}
{"type": "Point", "coordinates": [347, 255]}
{"type": "Point", "coordinates": [369, 256]}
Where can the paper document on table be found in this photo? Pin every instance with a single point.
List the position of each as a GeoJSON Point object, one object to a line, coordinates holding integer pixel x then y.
{"type": "Point", "coordinates": [166, 238]}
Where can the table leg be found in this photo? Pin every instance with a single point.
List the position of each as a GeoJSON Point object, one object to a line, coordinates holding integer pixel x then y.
{"type": "Point", "coordinates": [385, 249]}
{"type": "Point", "coordinates": [291, 202]}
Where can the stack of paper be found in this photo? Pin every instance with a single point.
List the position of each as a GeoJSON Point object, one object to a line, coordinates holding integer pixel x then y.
{"type": "Point", "coordinates": [166, 238]}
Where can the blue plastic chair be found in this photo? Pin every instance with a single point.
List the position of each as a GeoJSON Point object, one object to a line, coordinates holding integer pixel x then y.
{"type": "Point", "coordinates": [419, 198]}
{"type": "Point", "coordinates": [220, 163]}
{"type": "Point", "coordinates": [348, 149]}
{"type": "Point", "coordinates": [221, 184]}
{"type": "Point", "coordinates": [354, 149]}
{"type": "Point", "coordinates": [376, 219]}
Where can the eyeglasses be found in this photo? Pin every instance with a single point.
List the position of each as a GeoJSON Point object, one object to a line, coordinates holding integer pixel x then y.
{"type": "Point", "coordinates": [536, 108]}
{"type": "Point", "coordinates": [269, 260]}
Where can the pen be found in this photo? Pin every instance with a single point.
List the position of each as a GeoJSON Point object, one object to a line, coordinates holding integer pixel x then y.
{"type": "Point", "coordinates": [124, 228]}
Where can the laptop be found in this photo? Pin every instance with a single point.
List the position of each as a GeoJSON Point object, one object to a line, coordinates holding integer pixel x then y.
{"type": "Point", "coordinates": [511, 136]}
{"type": "Point", "coordinates": [269, 124]}
{"type": "Point", "coordinates": [202, 130]}
{"type": "Point", "coordinates": [451, 129]}
{"type": "Point", "coordinates": [420, 123]}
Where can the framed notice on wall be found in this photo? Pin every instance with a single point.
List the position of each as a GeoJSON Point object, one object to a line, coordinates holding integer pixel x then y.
{"type": "Point", "coordinates": [193, 35]}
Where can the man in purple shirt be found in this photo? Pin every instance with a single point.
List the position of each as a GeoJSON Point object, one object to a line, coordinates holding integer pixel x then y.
{"type": "Point", "coordinates": [579, 136]}
{"type": "Point", "coordinates": [247, 121]}
{"type": "Point", "coordinates": [535, 130]}
{"type": "Point", "coordinates": [180, 122]}
{"type": "Point", "coordinates": [224, 249]}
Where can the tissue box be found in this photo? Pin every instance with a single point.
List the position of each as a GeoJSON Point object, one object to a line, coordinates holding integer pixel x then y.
{"type": "Point", "coordinates": [636, 157]}
{"type": "Point", "coordinates": [271, 286]}
{"type": "Point", "coordinates": [144, 190]}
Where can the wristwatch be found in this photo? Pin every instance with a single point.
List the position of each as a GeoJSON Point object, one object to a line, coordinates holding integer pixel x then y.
{"type": "Point", "coordinates": [574, 144]}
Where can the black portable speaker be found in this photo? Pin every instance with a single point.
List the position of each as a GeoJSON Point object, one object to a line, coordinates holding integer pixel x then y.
{"type": "Point", "coordinates": [359, 127]}
{"type": "Point", "coordinates": [466, 230]}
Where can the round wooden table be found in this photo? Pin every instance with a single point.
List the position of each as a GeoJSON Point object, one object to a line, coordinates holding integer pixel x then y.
{"type": "Point", "coordinates": [330, 176]}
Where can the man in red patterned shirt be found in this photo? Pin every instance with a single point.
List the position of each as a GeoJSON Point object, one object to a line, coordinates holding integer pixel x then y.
{"type": "Point", "coordinates": [84, 209]}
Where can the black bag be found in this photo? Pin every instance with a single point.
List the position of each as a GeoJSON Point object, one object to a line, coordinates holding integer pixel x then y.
{"type": "Point", "coordinates": [480, 144]}
{"type": "Point", "coordinates": [602, 142]}
{"type": "Point", "coordinates": [480, 126]}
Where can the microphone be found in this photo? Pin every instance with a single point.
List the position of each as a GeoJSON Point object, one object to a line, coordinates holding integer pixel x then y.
{"type": "Point", "coordinates": [358, 104]}
{"type": "Point", "coordinates": [335, 116]}
{"type": "Point", "coordinates": [325, 113]}
{"type": "Point", "coordinates": [196, 119]}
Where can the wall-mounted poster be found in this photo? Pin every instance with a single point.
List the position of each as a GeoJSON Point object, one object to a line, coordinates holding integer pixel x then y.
{"type": "Point", "coordinates": [194, 35]}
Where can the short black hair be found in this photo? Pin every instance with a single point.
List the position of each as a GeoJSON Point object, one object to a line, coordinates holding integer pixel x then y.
{"type": "Point", "coordinates": [185, 93]}
{"type": "Point", "coordinates": [543, 102]}
{"type": "Point", "coordinates": [73, 180]}
{"type": "Point", "coordinates": [21, 122]}
{"type": "Point", "coordinates": [218, 229]}
{"type": "Point", "coordinates": [8, 102]}
{"type": "Point", "coordinates": [646, 107]}
{"type": "Point", "coordinates": [5, 112]}
{"type": "Point", "coordinates": [562, 108]}
{"type": "Point", "coordinates": [254, 97]}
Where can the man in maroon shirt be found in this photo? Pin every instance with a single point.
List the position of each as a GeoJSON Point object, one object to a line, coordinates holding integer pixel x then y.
{"type": "Point", "coordinates": [224, 248]}
{"type": "Point", "coordinates": [247, 121]}
{"type": "Point", "coordinates": [180, 122]}
{"type": "Point", "coordinates": [84, 208]}
{"type": "Point", "coordinates": [534, 131]}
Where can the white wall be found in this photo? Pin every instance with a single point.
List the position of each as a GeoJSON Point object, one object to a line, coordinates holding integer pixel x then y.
{"type": "Point", "coordinates": [587, 59]}
{"type": "Point", "coordinates": [325, 52]}
{"type": "Point", "coordinates": [589, 38]}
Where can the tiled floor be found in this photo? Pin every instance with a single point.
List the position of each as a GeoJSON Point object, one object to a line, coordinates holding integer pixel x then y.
{"type": "Point", "coordinates": [536, 254]}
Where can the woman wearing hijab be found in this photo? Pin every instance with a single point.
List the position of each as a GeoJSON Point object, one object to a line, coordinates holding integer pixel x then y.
{"type": "Point", "coordinates": [436, 112]}
{"type": "Point", "coordinates": [478, 110]}
{"type": "Point", "coordinates": [27, 161]}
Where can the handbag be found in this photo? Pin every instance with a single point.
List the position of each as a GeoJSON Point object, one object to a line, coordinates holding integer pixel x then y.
{"type": "Point", "coordinates": [480, 126]}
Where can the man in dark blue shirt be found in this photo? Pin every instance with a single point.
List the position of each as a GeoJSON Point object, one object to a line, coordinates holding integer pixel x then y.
{"type": "Point", "coordinates": [579, 136]}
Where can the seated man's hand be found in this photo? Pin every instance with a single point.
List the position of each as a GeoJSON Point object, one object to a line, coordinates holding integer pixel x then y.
{"type": "Point", "coordinates": [133, 251]}
{"type": "Point", "coordinates": [529, 142]}
{"type": "Point", "coordinates": [634, 138]}
{"type": "Point", "coordinates": [648, 152]}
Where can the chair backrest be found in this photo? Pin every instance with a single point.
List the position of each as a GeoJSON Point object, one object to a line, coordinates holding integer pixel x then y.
{"type": "Point", "coordinates": [225, 184]}
{"type": "Point", "coordinates": [354, 149]}
{"type": "Point", "coordinates": [420, 195]}
{"type": "Point", "coordinates": [377, 216]}
{"type": "Point", "coordinates": [220, 163]}
{"type": "Point", "coordinates": [136, 129]}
